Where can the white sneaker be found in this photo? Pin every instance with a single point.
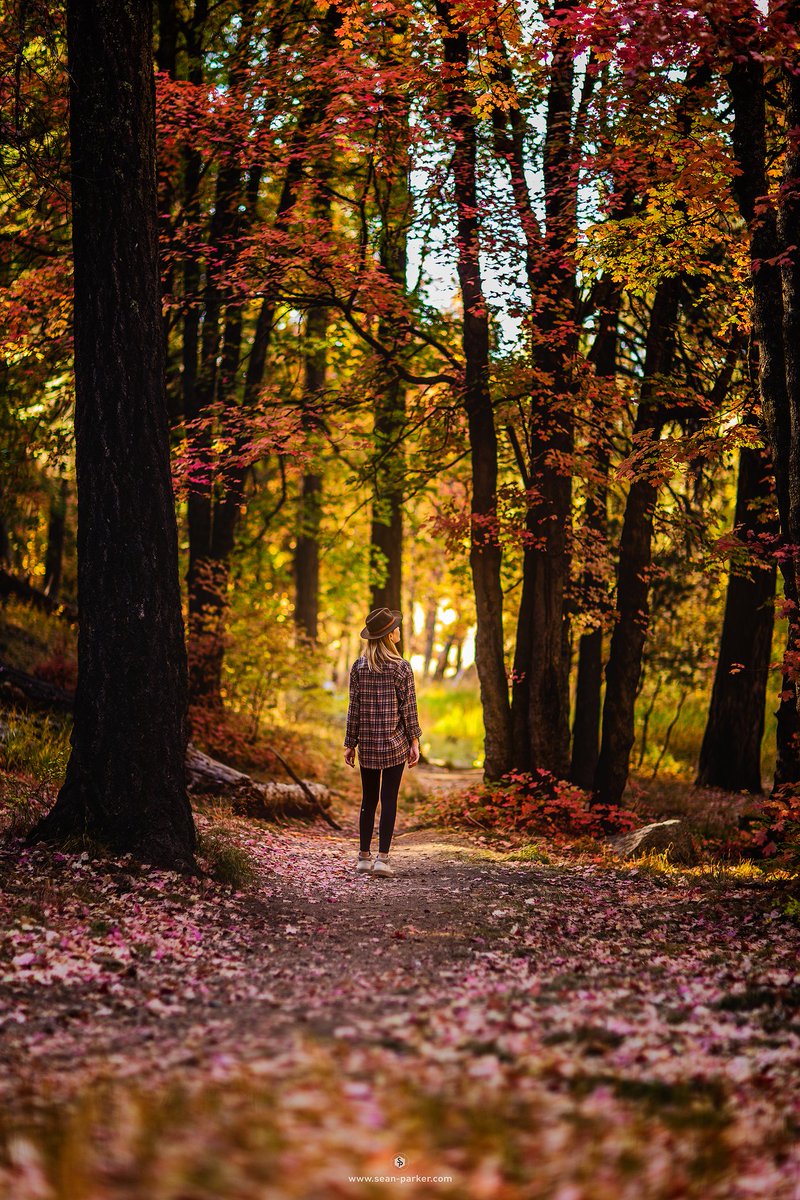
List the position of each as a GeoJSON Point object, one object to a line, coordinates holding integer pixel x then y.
{"type": "Point", "coordinates": [381, 867]}
{"type": "Point", "coordinates": [363, 864]}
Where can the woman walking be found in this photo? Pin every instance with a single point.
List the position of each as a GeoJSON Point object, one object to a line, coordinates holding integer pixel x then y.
{"type": "Point", "coordinates": [382, 720]}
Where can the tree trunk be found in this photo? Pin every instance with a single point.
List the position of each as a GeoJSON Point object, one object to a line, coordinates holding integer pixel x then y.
{"type": "Point", "coordinates": [635, 555]}
{"type": "Point", "coordinates": [441, 664]}
{"type": "Point", "coordinates": [589, 684]}
{"type": "Point", "coordinates": [56, 526]}
{"type": "Point", "coordinates": [306, 555]}
{"type": "Point", "coordinates": [392, 194]}
{"type": "Point", "coordinates": [430, 631]}
{"type": "Point", "coordinates": [730, 756]}
{"type": "Point", "coordinates": [775, 319]}
{"type": "Point", "coordinates": [540, 688]}
{"type": "Point", "coordinates": [485, 551]}
{"type": "Point", "coordinates": [386, 531]}
{"type": "Point", "coordinates": [214, 513]}
{"type": "Point", "coordinates": [125, 783]}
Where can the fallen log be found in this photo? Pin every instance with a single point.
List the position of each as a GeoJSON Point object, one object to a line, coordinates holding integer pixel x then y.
{"type": "Point", "coordinates": [250, 797]}
{"type": "Point", "coordinates": [18, 685]}
{"type": "Point", "coordinates": [21, 589]}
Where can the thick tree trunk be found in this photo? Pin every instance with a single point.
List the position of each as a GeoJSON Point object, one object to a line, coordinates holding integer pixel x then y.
{"type": "Point", "coordinates": [635, 555]}
{"type": "Point", "coordinates": [541, 713]}
{"type": "Point", "coordinates": [588, 708]}
{"type": "Point", "coordinates": [56, 528]}
{"type": "Point", "coordinates": [787, 733]}
{"type": "Point", "coordinates": [540, 689]}
{"type": "Point", "coordinates": [125, 783]}
{"type": "Point", "coordinates": [775, 317]}
{"type": "Point", "coordinates": [306, 555]}
{"type": "Point", "coordinates": [730, 756]}
{"type": "Point", "coordinates": [485, 552]}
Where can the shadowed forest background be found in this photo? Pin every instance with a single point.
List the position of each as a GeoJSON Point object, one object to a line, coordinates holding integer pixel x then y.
{"type": "Point", "coordinates": [484, 312]}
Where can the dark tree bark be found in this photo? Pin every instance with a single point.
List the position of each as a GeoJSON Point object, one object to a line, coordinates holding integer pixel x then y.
{"type": "Point", "coordinates": [56, 528]}
{"type": "Point", "coordinates": [632, 607]}
{"type": "Point", "coordinates": [540, 704]}
{"type": "Point", "coordinates": [589, 683]}
{"type": "Point", "coordinates": [125, 782]}
{"type": "Point", "coordinates": [730, 756]}
{"type": "Point", "coordinates": [485, 551]}
{"type": "Point", "coordinates": [774, 311]}
{"type": "Point", "coordinates": [306, 555]}
{"type": "Point", "coordinates": [540, 689]}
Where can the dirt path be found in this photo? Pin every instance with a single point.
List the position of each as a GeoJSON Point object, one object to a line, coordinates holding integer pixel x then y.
{"type": "Point", "coordinates": [559, 1030]}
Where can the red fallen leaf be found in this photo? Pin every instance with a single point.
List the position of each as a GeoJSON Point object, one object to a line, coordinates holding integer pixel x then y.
{"type": "Point", "coordinates": [398, 933]}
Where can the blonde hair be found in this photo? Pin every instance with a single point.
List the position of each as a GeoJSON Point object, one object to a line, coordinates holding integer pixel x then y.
{"type": "Point", "coordinates": [379, 651]}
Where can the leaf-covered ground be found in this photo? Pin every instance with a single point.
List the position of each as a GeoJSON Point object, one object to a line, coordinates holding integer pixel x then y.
{"type": "Point", "coordinates": [511, 1028]}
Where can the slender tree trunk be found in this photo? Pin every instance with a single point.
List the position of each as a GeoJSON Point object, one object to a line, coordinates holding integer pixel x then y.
{"type": "Point", "coordinates": [393, 197]}
{"type": "Point", "coordinates": [589, 684]}
{"type": "Point", "coordinates": [441, 665]}
{"type": "Point", "coordinates": [730, 756]}
{"type": "Point", "coordinates": [56, 528]}
{"type": "Point", "coordinates": [214, 511]}
{"type": "Point", "coordinates": [386, 531]}
{"type": "Point", "coordinates": [485, 552]}
{"type": "Point", "coordinates": [430, 634]}
{"type": "Point", "coordinates": [635, 555]}
{"type": "Point", "coordinates": [306, 555]}
{"type": "Point", "coordinates": [125, 778]}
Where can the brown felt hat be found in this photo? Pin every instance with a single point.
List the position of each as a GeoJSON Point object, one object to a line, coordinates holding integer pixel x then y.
{"type": "Point", "coordinates": [380, 622]}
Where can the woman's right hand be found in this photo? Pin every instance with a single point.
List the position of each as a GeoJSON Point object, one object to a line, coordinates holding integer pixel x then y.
{"type": "Point", "coordinates": [413, 754]}
{"type": "Point", "coordinates": [350, 756]}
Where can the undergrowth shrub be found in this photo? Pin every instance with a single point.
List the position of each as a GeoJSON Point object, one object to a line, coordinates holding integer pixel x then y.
{"type": "Point", "coordinates": [530, 803]}
{"type": "Point", "coordinates": [772, 830]}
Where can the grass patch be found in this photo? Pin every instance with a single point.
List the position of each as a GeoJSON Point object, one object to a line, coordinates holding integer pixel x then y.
{"type": "Point", "coordinates": [528, 853]}
{"type": "Point", "coordinates": [35, 744]}
{"type": "Point", "coordinates": [224, 860]}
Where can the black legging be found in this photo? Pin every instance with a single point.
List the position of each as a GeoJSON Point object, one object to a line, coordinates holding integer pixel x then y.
{"type": "Point", "coordinates": [384, 786]}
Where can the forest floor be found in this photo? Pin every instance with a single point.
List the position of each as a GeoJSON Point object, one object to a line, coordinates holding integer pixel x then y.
{"type": "Point", "coordinates": [510, 1024]}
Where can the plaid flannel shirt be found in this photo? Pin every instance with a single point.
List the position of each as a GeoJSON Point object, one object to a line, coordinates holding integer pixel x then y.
{"type": "Point", "coordinates": [382, 714]}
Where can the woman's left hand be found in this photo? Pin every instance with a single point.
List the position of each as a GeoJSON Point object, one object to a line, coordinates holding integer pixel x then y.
{"type": "Point", "coordinates": [413, 754]}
